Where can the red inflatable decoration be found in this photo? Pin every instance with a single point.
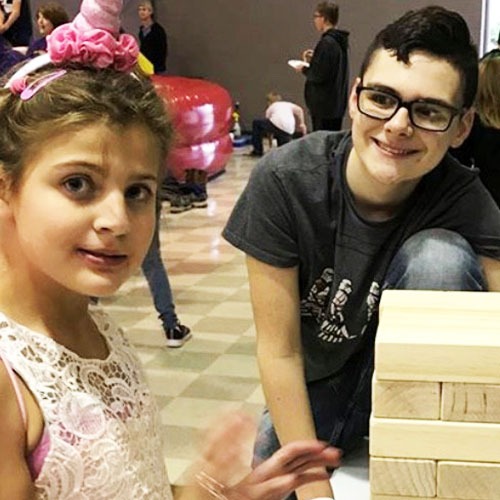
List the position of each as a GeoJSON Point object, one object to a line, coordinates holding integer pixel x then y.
{"type": "Point", "coordinates": [201, 113]}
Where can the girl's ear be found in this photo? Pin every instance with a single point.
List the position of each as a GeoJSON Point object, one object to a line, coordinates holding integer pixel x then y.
{"type": "Point", "coordinates": [5, 189]}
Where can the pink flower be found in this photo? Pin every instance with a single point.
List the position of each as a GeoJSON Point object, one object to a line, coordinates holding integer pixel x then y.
{"type": "Point", "coordinates": [62, 44]}
{"type": "Point", "coordinates": [97, 48]}
{"type": "Point", "coordinates": [126, 53]}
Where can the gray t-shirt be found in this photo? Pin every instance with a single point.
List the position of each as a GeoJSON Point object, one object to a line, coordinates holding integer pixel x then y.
{"type": "Point", "coordinates": [298, 211]}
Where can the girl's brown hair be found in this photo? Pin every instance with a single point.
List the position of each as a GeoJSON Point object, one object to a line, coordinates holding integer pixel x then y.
{"type": "Point", "coordinates": [488, 95]}
{"type": "Point", "coordinates": [81, 97]}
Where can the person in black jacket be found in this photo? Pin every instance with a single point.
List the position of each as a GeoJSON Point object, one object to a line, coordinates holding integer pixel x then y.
{"type": "Point", "coordinates": [482, 148]}
{"type": "Point", "coordinates": [327, 73]}
{"type": "Point", "coordinates": [152, 37]}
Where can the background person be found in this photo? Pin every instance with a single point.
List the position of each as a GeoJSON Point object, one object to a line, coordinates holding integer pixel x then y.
{"type": "Point", "coordinates": [482, 148]}
{"type": "Point", "coordinates": [17, 24]}
{"type": "Point", "coordinates": [282, 119]}
{"type": "Point", "coordinates": [331, 220]}
{"type": "Point", "coordinates": [152, 37]}
{"type": "Point", "coordinates": [48, 17]}
{"type": "Point", "coordinates": [327, 76]}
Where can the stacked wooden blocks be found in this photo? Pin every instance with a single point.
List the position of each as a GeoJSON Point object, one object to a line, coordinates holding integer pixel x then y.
{"type": "Point", "coordinates": [435, 427]}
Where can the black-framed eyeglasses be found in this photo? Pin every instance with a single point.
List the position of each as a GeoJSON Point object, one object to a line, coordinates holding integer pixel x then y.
{"type": "Point", "coordinates": [424, 114]}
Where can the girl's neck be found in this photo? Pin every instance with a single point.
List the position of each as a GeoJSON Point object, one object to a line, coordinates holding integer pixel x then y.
{"type": "Point", "coordinates": [56, 313]}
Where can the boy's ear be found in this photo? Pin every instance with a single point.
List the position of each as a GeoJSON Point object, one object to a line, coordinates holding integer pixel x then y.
{"type": "Point", "coordinates": [353, 98]}
{"type": "Point", "coordinates": [464, 127]}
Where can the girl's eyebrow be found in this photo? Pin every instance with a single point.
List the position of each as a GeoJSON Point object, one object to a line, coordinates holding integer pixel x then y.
{"type": "Point", "coordinates": [100, 170]}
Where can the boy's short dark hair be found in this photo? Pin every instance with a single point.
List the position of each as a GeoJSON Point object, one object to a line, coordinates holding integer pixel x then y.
{"type": "Point", "coordinates": [330, 11]}
{"type": "Point", "coordinates": [436, 31]}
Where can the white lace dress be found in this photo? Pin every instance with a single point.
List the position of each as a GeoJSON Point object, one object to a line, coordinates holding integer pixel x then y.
{"type": "Point", "coordinates": [100, 416]}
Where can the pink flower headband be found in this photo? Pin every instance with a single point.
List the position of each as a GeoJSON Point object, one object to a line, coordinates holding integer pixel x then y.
{"type": "Point", "coordinates": [90, 40]}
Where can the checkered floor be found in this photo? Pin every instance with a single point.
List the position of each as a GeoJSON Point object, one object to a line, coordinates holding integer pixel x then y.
{"type": "Point", "coordinates": [216, 370]}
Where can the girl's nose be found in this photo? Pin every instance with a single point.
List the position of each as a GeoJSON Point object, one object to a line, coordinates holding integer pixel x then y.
{"type": "Point", "coordinates": [112, 215]}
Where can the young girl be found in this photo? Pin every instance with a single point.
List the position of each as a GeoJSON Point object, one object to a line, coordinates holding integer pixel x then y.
{"type": "Point", "coordinates": [82, 145]}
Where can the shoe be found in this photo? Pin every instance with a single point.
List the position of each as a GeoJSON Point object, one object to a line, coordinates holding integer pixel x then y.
{"type": "Point", "coordinates": [254, 153]}
{"type": "Point", "coordinates": [180, 203]}
{"type": "Point", "coordinates": [199, 200]}
{"type": "Point", "coordinates": [178, 335]}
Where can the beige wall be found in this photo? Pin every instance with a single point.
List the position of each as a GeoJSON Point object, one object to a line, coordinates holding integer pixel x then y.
{"type": "Point", "coordinates": [244, 44]}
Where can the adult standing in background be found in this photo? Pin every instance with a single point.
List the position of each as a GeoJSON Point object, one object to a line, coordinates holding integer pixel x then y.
{"type": "Point", "coordinates": [48, 17]}
{"type": "Point", "coordinates": [482, 148]}
{"type": "Point", "coordinates": [328, 71]}
{"type": "Point", "coordinates": [152, 37]}
{"type": "Point", "coordinates": [16, 26]}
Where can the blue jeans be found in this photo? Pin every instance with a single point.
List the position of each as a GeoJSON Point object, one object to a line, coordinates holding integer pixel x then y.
{"type": "Point", "coordinates": [434, 259]}
{"type": "Point", "coordinates": [157, 278]}
{"type": "Point", "coordinates": [262, 126]}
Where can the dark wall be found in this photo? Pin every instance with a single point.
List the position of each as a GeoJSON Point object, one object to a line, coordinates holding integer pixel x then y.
{"type": "Point", "coordinates": [244, 44]}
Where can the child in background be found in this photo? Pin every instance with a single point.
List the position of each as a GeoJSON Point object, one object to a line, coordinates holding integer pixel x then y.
{"type": "Point", "coordinates": [82, 144]}
{"type": "Point", "coordinates": [282, 119]}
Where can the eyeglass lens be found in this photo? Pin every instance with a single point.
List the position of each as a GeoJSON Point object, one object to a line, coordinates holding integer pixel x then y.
{"type": "Point", "coordinates": [384, 106]}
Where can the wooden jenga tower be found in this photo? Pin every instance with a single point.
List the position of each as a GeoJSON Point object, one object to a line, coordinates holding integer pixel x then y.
{"type": "Point", "coordinates": [435, 427]}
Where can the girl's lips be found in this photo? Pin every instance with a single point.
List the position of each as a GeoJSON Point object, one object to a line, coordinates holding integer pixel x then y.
{"type": "Point", "coordinates": [102, 258]}
{"type": "Point", "coordinates": [393, 150]}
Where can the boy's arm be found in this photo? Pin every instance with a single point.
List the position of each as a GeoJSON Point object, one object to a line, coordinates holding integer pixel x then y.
{"type": "Point", "coordinates": [491, 269]}
{"type": "Point", "coordinates": [276, 306]}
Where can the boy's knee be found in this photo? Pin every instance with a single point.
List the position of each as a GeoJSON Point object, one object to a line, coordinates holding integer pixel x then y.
{"type": "Point", "coordinates": [436, 259]}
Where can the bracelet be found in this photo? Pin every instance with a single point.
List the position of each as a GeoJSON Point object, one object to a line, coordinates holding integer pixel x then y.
{"type": "Point", "coordinates": [211, 485]}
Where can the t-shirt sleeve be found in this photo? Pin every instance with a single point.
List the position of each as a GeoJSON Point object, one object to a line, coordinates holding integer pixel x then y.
{"type": "Point", "coordinates": [261, 223]}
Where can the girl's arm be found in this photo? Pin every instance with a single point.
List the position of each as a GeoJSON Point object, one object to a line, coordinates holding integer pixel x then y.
{"type": "Point", "coordinates": [15, 480]}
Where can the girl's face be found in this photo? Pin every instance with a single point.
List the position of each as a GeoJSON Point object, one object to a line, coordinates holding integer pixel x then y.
{"type": "Point", "coordinates": [83, 214]}
{"type": "Point", "coordinates": [45, 27]}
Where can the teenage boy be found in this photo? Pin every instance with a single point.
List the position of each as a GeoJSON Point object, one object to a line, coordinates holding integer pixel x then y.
{"type": "Point", "coordinates": [330, 221]}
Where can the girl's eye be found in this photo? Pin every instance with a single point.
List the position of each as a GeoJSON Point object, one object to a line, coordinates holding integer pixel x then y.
{"type": "Point", "coordinates": [78, 185]}
{"type": "Point", "coordinates": [139, 192]}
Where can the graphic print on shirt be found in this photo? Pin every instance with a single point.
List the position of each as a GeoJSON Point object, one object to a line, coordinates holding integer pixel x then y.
{"type": "Point", "coordinates": [330, 316]}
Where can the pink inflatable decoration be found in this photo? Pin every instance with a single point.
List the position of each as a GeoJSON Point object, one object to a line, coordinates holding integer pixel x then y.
{"type": "Point", "coordinates": [201, 113]}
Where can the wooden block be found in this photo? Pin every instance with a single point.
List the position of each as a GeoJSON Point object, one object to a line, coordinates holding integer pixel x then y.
{"type": "Point", "coordinates": [469, 481]}
{"type": "Point", "coordinates": [434, 439]}
{"type": "Point", "coordinates": [375, 496]}
{"type": "Point", "coordinates": [470, 403]}
{"type": "Point", "coordinates": [459, 354]}
{"type": "Point", "coordinates": [392, 476]}
{"type": "Point", "coordinates": [463, 303]}
{"type": "Point", "coordinates": [397, 399]}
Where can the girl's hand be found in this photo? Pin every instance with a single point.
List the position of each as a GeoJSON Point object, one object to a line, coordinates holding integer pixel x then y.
{"type": "Point", "coordinates": [222, 471]}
